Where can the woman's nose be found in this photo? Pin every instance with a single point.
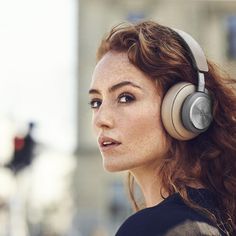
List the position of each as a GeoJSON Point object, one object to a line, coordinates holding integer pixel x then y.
{"type": "Point", "coordinates": [104, 117]}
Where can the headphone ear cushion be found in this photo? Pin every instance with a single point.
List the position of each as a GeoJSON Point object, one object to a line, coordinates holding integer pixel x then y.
{"type": "Point", "coordinates": [171, 110]}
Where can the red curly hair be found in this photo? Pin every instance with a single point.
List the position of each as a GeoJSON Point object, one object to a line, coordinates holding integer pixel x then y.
{"type": "Point", "coordinates": [160, 53]}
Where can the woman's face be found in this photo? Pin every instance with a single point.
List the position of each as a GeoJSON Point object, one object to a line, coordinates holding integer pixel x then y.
{"type": "Point", "coordinates": [126, 114]}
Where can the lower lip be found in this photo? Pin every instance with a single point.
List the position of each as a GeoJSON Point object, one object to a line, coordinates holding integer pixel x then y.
{"type": "Point", "coordinates": [109, 147]}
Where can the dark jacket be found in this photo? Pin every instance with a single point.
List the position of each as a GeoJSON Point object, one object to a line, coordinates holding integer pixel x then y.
{"type": "Point", "coordinates": [172, 217]}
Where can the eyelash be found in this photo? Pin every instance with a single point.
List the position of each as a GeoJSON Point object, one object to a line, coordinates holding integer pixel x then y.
{"type": "Point", "coordinates": [130, 97]}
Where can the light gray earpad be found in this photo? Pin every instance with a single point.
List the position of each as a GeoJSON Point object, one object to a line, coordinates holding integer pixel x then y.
{"type": "Point", "coordinates": [197, 112]}
{"type": "Point", "coordinates": [171, 110]}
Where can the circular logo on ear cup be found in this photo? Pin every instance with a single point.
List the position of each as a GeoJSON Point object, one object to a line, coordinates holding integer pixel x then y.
{"type": "Point", "coordinates": [197, 112]}
{"type": "Point", "coordinates": [200, 113]}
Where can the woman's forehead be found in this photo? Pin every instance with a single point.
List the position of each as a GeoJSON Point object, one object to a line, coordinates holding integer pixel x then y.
{"type": "Point", "coordinates": [115, 67]}
{"type": "Point", "coordinates": [113, 61]}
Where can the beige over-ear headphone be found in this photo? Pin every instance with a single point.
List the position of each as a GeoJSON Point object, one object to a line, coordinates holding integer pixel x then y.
{"type": "Point", "coordinates": [186, 110]}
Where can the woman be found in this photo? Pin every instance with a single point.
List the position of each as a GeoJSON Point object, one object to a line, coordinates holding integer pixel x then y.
{"type": "Point", "coordinates": [183, 157]}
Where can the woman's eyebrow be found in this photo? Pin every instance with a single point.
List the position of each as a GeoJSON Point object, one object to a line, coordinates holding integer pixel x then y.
{"type": "Point", "coordinates": [115, 87]}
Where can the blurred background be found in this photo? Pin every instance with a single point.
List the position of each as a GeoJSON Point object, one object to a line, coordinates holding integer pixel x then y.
{"type": "Point", "coordinates": [52, 182]}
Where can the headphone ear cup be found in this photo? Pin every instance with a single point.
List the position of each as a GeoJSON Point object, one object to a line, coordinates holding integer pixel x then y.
{"type": "Point", "coordinates": [197, 112]}
{"type": "Point", "coordinates": [171, 110]}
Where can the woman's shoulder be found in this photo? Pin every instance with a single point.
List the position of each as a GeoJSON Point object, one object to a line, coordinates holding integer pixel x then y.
{"type": "Point", "coordinates": [171, 217]}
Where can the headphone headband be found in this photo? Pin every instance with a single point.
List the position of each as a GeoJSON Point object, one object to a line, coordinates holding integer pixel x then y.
{"type": "Point", "coordinates": [197, 55]}
{"type": "Point", "coordinates": [199, 58]}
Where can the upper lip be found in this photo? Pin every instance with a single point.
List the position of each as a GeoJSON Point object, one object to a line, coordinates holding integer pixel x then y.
{"type": "Point", "coordinates": [103, 139]}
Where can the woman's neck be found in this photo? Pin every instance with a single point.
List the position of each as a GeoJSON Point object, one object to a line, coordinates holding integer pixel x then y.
{"type": "Point", "coordinates": [149, 182]}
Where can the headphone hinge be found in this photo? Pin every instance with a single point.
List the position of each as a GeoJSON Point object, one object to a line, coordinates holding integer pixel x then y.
{"type": "Point", "coordinates": [201, 82]}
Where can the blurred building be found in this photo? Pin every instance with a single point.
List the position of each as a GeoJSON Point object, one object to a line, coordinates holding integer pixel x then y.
{"type": "Point", "coordinates": [212, 23]}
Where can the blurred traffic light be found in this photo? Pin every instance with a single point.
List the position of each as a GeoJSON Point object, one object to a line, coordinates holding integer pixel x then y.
{"type": "Point", "coordinates": [23, 151]}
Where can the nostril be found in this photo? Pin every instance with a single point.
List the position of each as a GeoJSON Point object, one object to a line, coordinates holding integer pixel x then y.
{"type": "Point", "coordinates": [103, 122]}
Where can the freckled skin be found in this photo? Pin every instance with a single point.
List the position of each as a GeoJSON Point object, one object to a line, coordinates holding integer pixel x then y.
{"type": "Point", "coordinates": [136, 125]}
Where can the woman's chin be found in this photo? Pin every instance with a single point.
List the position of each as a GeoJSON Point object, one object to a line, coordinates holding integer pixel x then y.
{"type": "Point", "coordinates": [111, 167]}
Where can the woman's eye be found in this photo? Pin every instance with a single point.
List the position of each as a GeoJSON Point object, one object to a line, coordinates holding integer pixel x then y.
{"type": "Point", "coordinates": [95, 104]}
{"type": "Point", "coordinates": [125, 98]}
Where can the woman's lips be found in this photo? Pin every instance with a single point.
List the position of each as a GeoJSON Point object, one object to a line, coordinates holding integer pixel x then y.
{"type": "Point", "coordinates": [109, 147]}
{"type": "Point", "coordinates": [107, 143]}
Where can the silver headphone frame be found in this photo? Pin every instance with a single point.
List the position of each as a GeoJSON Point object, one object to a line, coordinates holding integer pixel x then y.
{"type": "Point", "coordinates": [198, 57]}
{"type": "Point", "coordinates": [200, 100]}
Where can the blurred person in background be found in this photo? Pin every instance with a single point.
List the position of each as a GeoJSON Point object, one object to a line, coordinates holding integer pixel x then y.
{"type": "Point", "coordinates": [167, 115]}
